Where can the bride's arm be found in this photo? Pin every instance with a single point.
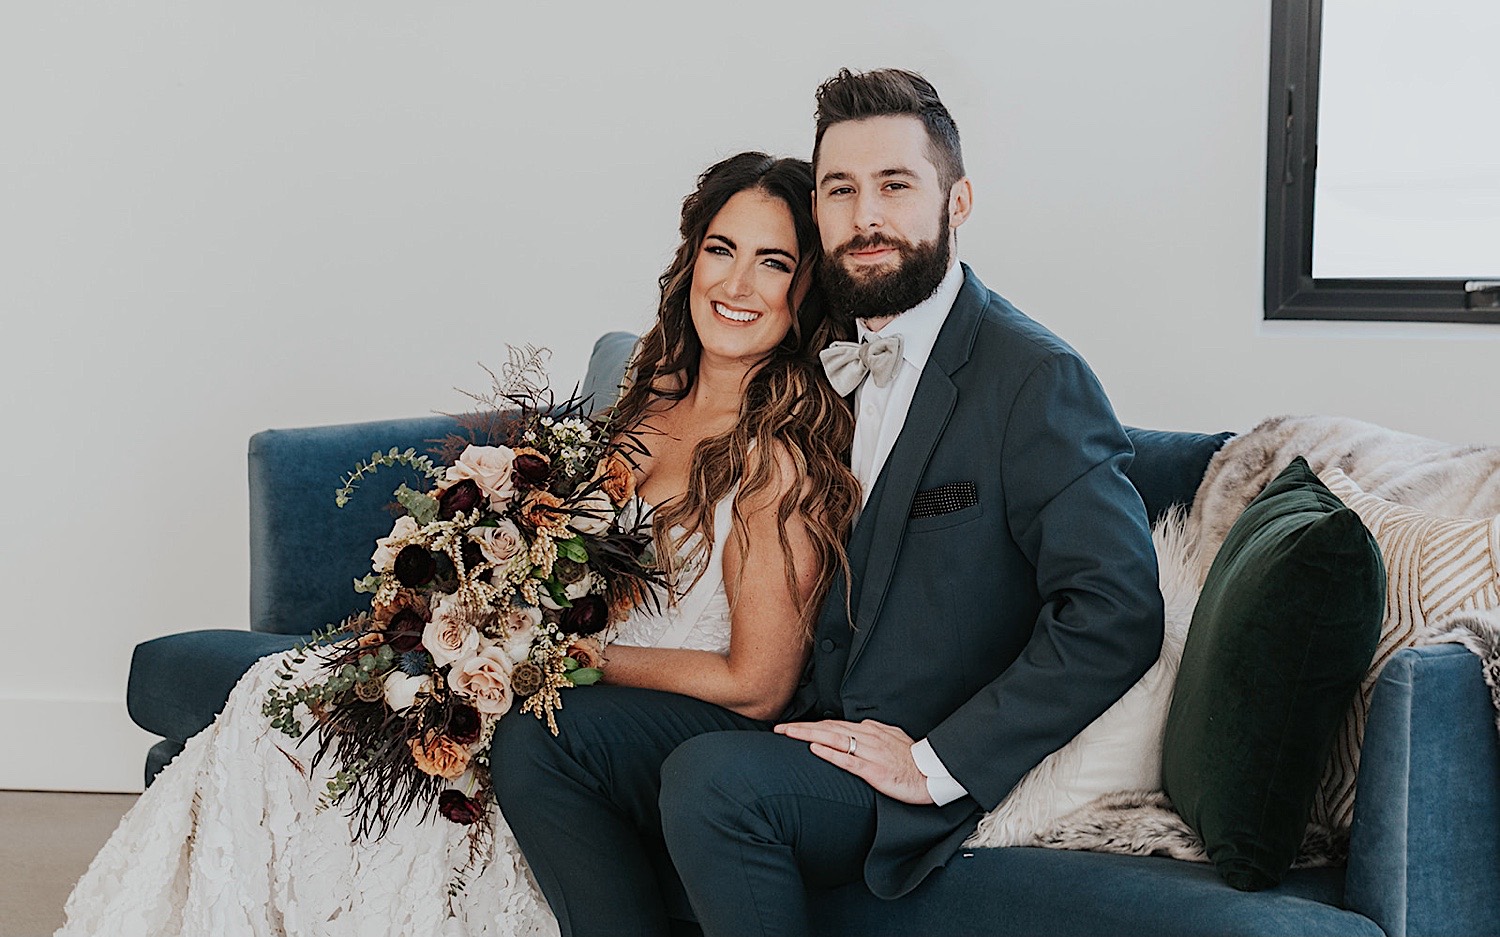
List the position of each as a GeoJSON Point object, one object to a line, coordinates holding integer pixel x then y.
{"type": "Point", "coordinates": [768, 643]}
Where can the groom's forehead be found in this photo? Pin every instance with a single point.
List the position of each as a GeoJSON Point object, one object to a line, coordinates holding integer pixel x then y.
{"type": "Point", "coordinates": [874, 146]}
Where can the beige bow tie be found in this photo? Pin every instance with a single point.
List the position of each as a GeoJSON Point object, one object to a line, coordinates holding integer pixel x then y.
{"type": "Point", "coordinates": [847, 363]}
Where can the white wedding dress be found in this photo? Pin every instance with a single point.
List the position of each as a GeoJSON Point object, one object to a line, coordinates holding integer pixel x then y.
{"type": "Point", "coordinates": [228, 841]}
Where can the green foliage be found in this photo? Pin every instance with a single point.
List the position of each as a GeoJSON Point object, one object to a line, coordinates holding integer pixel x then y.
{"type": "Point", "coordinates": [572, 549]}
{"type": "Point", "coordinates": [558, 592]}
{"type": "Point", "coordinates": [280, 706]}
{"type": "Point", "coordinates": [422, 507]}
{"type": "Point", "coordinates": [369, 584]}
{"type": "Point", "coordinates": [377, 460]}
{"type": "Point", "coordinates": [584, 676]}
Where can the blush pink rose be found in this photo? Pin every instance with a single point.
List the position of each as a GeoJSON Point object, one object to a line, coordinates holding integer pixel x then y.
{"type": "Point", "coordinates": [448, 637]}
{"type": "Point", "coordinates": [484, 680]}
{"type": "Point", "coordinates": [490, 468]}
{"type": "Point", "coordinates": [500, 544]}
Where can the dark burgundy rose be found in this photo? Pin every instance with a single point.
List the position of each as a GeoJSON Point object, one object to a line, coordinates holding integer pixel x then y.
{"type": "Point", "coordinates": [588, 615]}
{"type": "Point", "coordinates": [459, 499]}
{"type": "Point", "coordinates": [530, 470]}
{"type": "Point", "coordinates": [405, 631]}
{"type": "Point", "coordinates": [463, 724]}
{"type": "Point", "coordinates": [414, 566]}
{"type": "Point", "coordinates": [454, 806]}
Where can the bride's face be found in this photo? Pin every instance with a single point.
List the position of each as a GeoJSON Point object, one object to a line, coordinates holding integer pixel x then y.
{"type": "Point", "coordinates": [742, 278]}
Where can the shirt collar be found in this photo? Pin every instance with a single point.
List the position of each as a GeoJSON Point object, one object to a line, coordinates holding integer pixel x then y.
{"type": "Point", "coordinates": [919, 325]}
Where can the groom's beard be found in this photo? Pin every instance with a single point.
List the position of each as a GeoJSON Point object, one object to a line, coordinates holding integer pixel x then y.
{"type": "Point", "coordinates": [873, 294]}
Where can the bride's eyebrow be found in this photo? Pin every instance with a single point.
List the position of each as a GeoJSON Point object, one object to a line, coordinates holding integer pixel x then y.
{"type": "Point", "coordinates": [719, 237]}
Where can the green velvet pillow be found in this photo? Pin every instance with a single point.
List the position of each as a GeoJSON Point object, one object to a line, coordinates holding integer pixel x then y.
{"type": "Point", "coordinates": [1282, 635]}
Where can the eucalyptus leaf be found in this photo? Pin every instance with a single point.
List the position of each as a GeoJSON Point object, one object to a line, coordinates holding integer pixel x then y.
{"type": "Point", "coordinates": [370, 583]}
{"type": "Point", "coordinates": [422, 507]}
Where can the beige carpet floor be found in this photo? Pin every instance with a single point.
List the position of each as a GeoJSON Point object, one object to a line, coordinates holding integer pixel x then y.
{"type": "Point", "coordinates": [46, 842]}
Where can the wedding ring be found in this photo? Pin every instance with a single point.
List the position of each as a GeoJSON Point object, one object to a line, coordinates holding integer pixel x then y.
{"type": "Point", "coordinates": [853, 745]}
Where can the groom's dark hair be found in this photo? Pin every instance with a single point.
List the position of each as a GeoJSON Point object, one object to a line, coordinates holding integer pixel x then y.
{"type": "Point", "coordinates": [887, 92]}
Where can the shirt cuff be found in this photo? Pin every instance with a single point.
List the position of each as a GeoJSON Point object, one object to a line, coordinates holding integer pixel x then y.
{"type": "Point", "coordinates": [940, 784]}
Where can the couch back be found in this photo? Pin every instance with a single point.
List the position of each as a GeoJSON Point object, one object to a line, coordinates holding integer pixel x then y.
{"type": "Point", "coordinates": [305, 552]}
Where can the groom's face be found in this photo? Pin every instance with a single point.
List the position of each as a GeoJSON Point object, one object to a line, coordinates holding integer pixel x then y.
{"type": "Point", "coordinates": [882, 214]}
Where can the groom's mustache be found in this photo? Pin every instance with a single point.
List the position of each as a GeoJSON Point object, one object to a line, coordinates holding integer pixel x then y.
{"type": "Point", "coordinates": [864, 242]}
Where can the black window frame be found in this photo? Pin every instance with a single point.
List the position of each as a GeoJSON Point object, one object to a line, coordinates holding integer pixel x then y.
{"type": "Point", "coordinates": [1291, 292]}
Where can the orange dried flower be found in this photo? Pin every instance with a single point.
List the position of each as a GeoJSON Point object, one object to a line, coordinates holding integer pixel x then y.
{"type": "Point", "coordinates": [616, 478]}
{"type": "Point", "coordinates": [402, 600]}
{"type": "Point", "coordinates": [439, 756]}
{"type": "Point", "coordinates": [540, 511]}
{"type": "Point", "coordinates": [588, 652]}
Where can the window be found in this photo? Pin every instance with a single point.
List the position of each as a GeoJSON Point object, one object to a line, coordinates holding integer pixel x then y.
{"type": "Point", "coordinates": [1383, 161]}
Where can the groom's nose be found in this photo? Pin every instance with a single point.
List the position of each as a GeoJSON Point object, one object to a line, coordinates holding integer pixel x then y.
{"type": "Point", "coordinates": [867, 210]}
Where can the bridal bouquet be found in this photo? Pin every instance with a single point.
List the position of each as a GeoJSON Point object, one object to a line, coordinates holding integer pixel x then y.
{"type": "Point", "coordinates": [487, 595]}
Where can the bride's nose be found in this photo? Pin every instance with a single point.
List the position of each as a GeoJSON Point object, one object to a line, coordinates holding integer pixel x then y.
{"type": "Point", "coordinates": [740, 283]}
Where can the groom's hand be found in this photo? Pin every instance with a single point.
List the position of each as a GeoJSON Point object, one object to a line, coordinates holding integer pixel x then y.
{"type": "Point", "coordinates": [882, 754]}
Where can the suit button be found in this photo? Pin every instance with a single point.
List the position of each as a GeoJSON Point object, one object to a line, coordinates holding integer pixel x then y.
{"type": "Point", "coordinates": [827, 645]}
{"type": "Point", "coordinates": [830, 714]}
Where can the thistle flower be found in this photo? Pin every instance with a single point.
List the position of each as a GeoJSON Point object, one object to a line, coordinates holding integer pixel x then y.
{"type": "Point", "coordinates": [414, 663]}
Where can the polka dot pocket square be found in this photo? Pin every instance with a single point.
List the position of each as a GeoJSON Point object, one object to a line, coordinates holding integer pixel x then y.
{"type": "Point", "coordinates": [944, 499]}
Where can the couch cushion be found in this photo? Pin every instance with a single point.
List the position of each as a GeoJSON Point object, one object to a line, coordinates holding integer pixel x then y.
{"type": "Point", "coordinates": [179, 683]}
{"type": "Point", "coordinates": [305, 551]}
{"type": "Point", "coordinates": [1280, 639]}
{"type": "Point", "coordinates": [1435, 567]}
{"type": "Point", "coordinates": [1018, 890]}
{"type": "Point", "coordinates": [607, 368]}
{"type": "Point", "coordinates": [1169, 465]}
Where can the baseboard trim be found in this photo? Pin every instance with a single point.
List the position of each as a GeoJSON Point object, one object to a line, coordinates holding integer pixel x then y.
{"type": "Point", "coordinates": [71, 745]}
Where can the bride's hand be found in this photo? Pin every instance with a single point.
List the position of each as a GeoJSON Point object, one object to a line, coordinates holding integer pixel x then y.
{"type": "Point", "coordinates": [874, 751]}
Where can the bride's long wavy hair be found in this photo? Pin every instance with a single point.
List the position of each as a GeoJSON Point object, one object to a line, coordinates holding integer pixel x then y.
{"type": "Point", "coordinates": [788, 405]}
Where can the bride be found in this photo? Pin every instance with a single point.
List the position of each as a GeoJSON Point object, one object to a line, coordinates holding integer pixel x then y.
{"type": "Point", "coordinates": [751, 497]}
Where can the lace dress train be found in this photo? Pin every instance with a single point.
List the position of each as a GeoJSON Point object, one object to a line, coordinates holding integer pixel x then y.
{"type": "Point", "coordinates": [229, 840]}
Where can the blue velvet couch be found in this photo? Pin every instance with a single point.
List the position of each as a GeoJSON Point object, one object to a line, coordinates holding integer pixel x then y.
{"type": "Point", "coordinates": [1425, 850]}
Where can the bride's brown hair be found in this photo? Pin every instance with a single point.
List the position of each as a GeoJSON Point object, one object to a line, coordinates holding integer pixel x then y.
{"type": "Point", "coordinates": [788, 407]}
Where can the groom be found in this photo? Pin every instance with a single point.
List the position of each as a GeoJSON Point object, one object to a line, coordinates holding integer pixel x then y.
{"type": "Point", "coordinates": [1003, 582]}
{"type": "Point", "coordinates": [1002, 589]}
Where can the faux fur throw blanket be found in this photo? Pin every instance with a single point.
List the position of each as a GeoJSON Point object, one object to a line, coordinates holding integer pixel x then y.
{"type": "Point", "coordinates": [1459, 481]}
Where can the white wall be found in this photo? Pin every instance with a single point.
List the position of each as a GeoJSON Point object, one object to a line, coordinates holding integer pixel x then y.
{"type": "Point", "coordinates": [216, 218]}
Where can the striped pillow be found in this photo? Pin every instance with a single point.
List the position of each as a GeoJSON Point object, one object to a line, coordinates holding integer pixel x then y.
{"type": "Point", "coordinates": [1435, 566]}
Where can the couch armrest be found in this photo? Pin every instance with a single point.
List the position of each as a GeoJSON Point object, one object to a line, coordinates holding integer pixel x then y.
{"type": "Point", "coordinates": [1425, 847]}
{"type": "Point", "coordinates": [305, 552]}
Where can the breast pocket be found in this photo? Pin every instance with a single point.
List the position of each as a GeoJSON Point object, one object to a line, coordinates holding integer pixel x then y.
{"type": "Point", "coordinates": [944, 506]}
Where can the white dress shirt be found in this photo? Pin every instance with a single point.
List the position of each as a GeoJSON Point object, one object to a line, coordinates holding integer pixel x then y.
{"type": "Point", "coordinates": [880, 412]}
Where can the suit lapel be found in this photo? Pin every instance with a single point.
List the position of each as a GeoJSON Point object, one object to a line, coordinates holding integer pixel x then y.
{"type": "Point", "coordinates": [931, 406]}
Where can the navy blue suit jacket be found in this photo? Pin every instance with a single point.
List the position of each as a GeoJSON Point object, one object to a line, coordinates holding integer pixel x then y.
{"type": "Point", "coordinates": [999, 629]}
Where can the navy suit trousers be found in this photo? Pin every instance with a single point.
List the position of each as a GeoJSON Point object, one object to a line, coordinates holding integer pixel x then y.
{"type": "Point", "coordinates": [757, 816]}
